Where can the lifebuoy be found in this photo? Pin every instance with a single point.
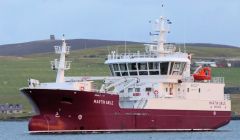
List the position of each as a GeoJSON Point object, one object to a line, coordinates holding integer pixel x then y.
{"type": "Point", "coordinates": [57, 115]}
{"type": "Point", "coordinates": [79, 117]}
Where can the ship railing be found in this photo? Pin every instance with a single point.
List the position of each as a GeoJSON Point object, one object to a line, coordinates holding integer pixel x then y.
{"type": "Point", "coordinates": [227, 97]}
{"type": "Point", "coordinates": [141, 103]}
{"type": "Point", "coordinates": [102, 91]}
{"type": "Point", "coordinates": [188, 79]}
{"type": "Point", "coordinates": [131, 56]}
{"type": "Point", "coordinates": [169, 48]}
{"type": "Point", "coordinates": [218, 80]}
{"type": "Point", "coordinates": [109, 92]}
{"type": "Point", "coordinates": [33, 83]}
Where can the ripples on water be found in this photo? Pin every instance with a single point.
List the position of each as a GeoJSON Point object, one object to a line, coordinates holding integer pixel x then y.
{"type": "Point", "coordinates": [18, 130]}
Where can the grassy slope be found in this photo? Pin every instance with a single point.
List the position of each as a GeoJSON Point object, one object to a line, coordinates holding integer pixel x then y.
{"type": "Point", "coordinates": [214, 52]}
{"type": "Point", "coordinates": [14, 74]}
{"type": "Point", "coordinates": [14, 71]}
{"type": "Point", "coordinates": [231, 75]}
{"type": "Point", "coordinates": [235, 98]}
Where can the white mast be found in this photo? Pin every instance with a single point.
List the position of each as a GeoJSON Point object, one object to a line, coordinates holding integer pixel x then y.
{"type": "Point", "coordinates": [162, 35]}
{"type": "Point", "coordinates": [61, 65]}
{"type": "Point", "coordinates": [159, 34]}
{"type": "Point", "coordinates": [160, 30]}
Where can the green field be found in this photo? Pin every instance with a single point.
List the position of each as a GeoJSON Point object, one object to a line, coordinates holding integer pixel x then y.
{"type": "Point", "coordinates": [235, 99]}
{"type": "Point", "coordinates": [231, 76]}
{"type": "Point", "coordinates": [14, 71]}
{"type": "Point", "coordinates": [214, 52]}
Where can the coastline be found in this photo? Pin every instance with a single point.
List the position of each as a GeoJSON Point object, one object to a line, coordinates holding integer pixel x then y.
{"type": "Point", "coordinates": [15, 118]}
{"type": "Point", "coordinates": [235, 118]}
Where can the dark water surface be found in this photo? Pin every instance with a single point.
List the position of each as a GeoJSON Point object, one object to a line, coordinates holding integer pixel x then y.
{"type": "Point", "coordinates": [11, 130]}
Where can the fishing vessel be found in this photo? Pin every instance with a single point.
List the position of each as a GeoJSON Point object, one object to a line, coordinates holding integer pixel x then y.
{"type": "Point", "coordinates": [149, 91]}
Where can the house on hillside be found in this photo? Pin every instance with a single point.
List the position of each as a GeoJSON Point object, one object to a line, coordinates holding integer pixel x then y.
{"type": "Point", "coordinates": [11, 108]}
{"type": "Point", "coordinates": [3, 110]}
{"type": "Point", "coordinates": [205, 63]}
{"type": "Point", "coordinates": [18, 108]}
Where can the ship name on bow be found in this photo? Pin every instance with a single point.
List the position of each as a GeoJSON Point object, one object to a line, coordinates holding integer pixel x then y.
{"type": "Point", "coordinates": [102, 102]}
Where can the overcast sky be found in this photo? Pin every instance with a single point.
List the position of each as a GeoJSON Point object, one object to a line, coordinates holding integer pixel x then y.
{"type": "Point", "coordinates": [195, 21]}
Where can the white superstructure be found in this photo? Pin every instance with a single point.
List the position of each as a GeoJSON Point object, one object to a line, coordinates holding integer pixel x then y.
{"type": "Point", "coordinates": [156, 79]}
{"type": "Point", "coordinates": [160, 78]}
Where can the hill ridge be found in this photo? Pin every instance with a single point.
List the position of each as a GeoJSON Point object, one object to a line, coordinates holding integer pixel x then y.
{"type": "Point", "coordinates": [45, 46]}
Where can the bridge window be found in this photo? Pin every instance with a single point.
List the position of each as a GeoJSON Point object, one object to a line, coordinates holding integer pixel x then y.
{"type": "Point", "coordinates": [182, 67]}
{"type": "Point", "coordinates": [132, 73]}
{"type": "Point", "coordinates": [171, 68]}
{"type": "Point", "coordinates": [116, 70]}
{"type": "Point", "coordinates": [154, 72]}
{"type": "Point", "coordinates": [177, 68]}
{"type": "Point", "coordinates": [142, 66]}
{"type": "Point", "coordinates": [150, 65]}
{"type": "Point", "coordinates": [177, 65]}
{"type": "Point", "coordinates": [111, 69]}
{"type": "Point", "coordinates": [117, 74]}
{"type": "Point", "coordinates": [153, 65]}
{"type": "Point", "coordinates": [148, 89]}
{"type": "Point", "coordinates": [123, 67]}
{"type": "Point", "coordinates": [132, 66]}
{"type": "Point", "coordinates": [164, 68]}
{"type": "Point", "coordinates": [130, 89]}
{"type": "Point", "coordinates": [148, 68]}
{"type": "Point", "coordinates": [115, 67]}
{"type": "Point", "coordinates": [125, 73]}
{"type": "Point", "coordinates": [143, 73]}
{"type": "Point", "coordinates": [137, 89]}
{"type": "Point", "coordinates": [153, 68]}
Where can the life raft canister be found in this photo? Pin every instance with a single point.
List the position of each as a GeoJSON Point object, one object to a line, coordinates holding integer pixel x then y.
{"type": "Point", "coordinates": [203, 74]}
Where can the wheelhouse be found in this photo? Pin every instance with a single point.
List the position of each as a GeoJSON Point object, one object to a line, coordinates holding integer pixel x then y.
{"type": "Point", "coordinates": [147, 68]}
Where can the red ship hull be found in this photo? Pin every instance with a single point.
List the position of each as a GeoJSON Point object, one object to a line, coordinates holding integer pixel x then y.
{"type": "Point", "coordinates": [70, 111]}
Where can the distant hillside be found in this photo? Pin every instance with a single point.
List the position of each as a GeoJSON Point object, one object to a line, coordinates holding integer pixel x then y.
{"type": "Point", "coordinates": [209, 45]}
{"type": "Point", "coordinates": [44, 46]}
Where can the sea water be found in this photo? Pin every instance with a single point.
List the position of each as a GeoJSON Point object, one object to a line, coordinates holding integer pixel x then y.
{"type": "Point", "coordinates": [17, 130]}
